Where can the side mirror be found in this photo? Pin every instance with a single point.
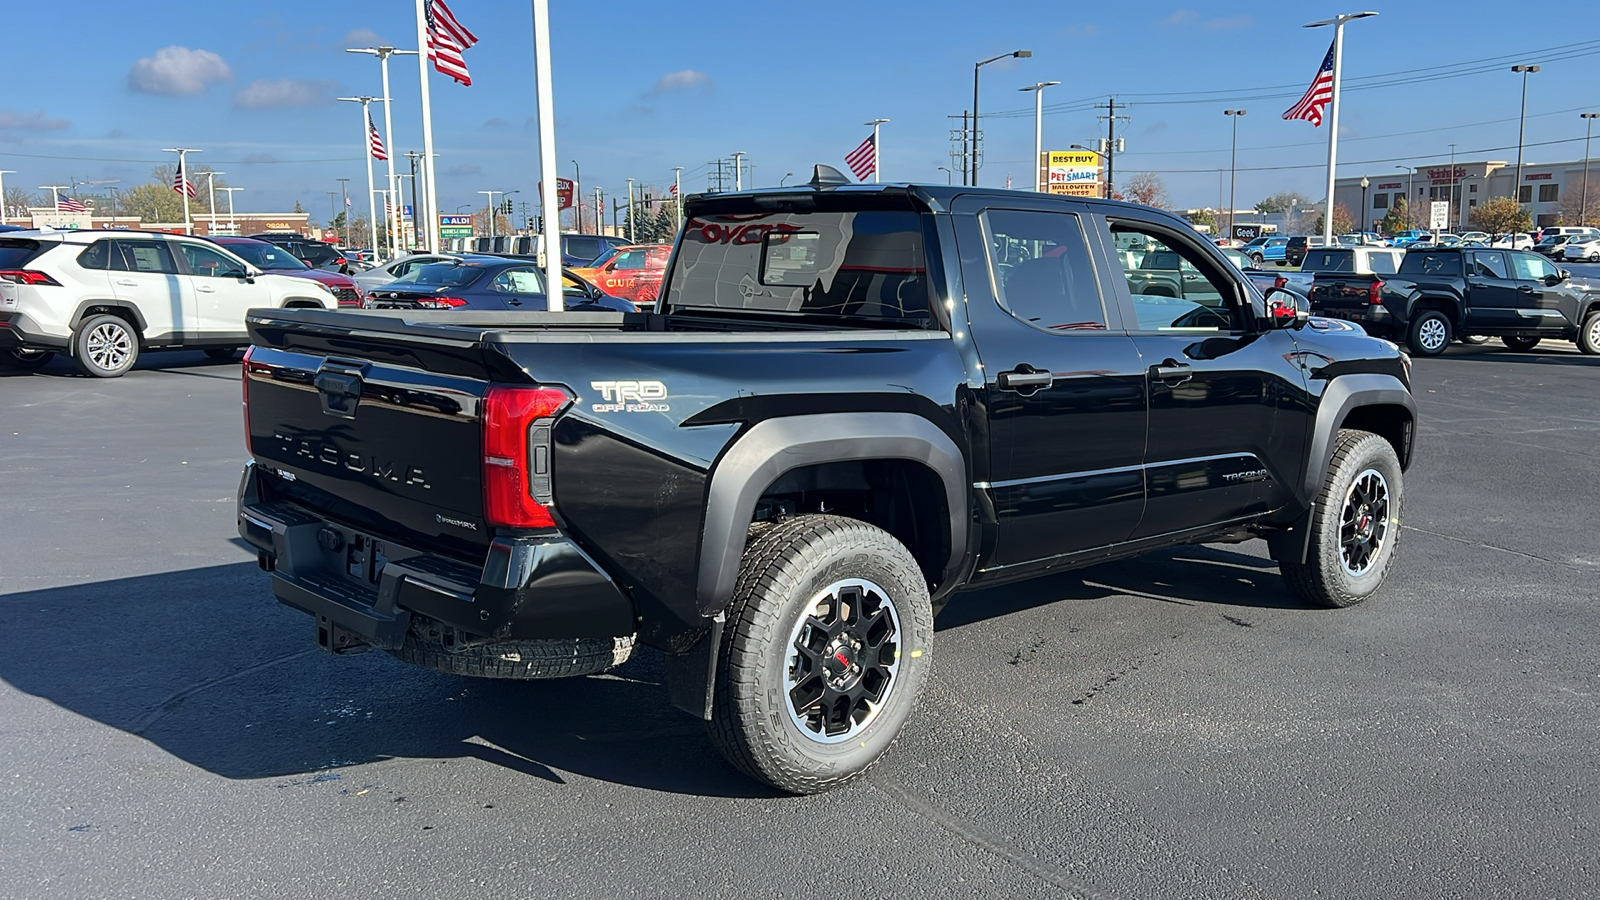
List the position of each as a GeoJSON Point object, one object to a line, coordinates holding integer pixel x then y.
{"type": "Point", "coordinates": [1557, 277]}
{"type": "Point", "coordinates": [1284, 311]}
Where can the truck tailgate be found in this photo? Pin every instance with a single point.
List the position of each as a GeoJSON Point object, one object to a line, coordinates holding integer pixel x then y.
{"type": "Point", "coordinates": [1341, 295]}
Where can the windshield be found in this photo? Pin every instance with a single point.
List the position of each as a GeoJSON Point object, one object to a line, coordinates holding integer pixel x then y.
{"type": "Point", "coordinates": [265, 256]}
{"type": "Point", "coordinates": [1425, 263]}
{"type": "Point", "coordinates": [1329, 261]}
{"type": "Point", "coordinates": [1237, 258]}
{"type": "Point", "coordinates": [445, 274]}
{"type": "Point", "coordinates": [607, 256]}
{"type": "Point", "coordinates": [866, 263]}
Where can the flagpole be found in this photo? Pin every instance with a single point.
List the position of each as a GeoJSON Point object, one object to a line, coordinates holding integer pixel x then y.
{"type": "Point", "coordinates": [1333, 113]}
{"type": "Point", "coordinates": [677, 194]}
{"type": "Point", "coordinates": [183, 152]}
{"type": "Point", "coordinates": [430, 190]}
{"type": "Point", "coordinates": [555, 299]}
{"type": "Point", "coordinates": [875, 158]}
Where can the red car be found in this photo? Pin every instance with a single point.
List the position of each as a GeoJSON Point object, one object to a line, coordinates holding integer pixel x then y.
{"type": "Point", "coordinates": [273, 258]}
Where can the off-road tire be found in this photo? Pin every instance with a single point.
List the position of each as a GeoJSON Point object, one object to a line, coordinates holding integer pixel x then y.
{"type": "Point", "coordinates": [105, 346]}
{"type": "Point", "coordinates": [1588, 339]}
{"type": "Point", "coordinates": [782, 573]}
{"type": "Point", "coordinates": [1322, 579]}
{"type": "Point", "coordinates": [222, 354]}
{"type": "Point", "coordinates": [25, 360]}
{"type": "Point", "coordinates": [517, 660]}
{"type": "Point", "coordinates": [1520, 344]}
{"type": "Point", "coordinates": [1429, 333]}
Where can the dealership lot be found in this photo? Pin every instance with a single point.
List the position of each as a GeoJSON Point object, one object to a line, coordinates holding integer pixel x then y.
{"type": "Point", "coordinates": [1175, 726]}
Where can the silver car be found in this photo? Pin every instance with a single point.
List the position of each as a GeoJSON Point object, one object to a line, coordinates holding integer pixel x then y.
{"type": "Point", "coordinates": [378, 276]}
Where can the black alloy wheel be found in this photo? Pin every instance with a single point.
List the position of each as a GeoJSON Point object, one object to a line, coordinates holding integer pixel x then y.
{"type": "Point", "coordinates": [1355, 524]}
{"type": "Point", "coordinates": [843, 660]}
{"type": "Point", "coordinates": [1364, 522]}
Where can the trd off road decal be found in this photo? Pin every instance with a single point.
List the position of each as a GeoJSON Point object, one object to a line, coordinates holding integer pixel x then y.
{"type": "Point", "coordinates": [630, 396]}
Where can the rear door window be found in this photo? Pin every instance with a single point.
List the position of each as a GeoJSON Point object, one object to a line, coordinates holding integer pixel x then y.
{"type": "Point", "coordinates": [867, 264]}
{"type": "Point", "coordinates": [1489, 265]}
{"type": "Point", "coordinates": [145, 256]}
{"type": "Point", "coordinates": [1039, 264]}
{"type": "Point", "coordinates": [1429, 263]}
{"type": "Point", "coordinates": [1383, 263]}
{"type": "Point", "coordinates": [96, 256]}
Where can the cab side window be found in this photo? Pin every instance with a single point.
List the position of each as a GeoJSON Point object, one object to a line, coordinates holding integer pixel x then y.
{"type": "Point", "coordinates": [96, 256]}
{"type": "Point", "coordinates": [1489, 265]}
{"type": "Point", "coordinates": [633, 259]}
{"type": "Point", "coordinates": [1174, 286]}
{"type": "Point", "coordinates": [1039, 265]}
{"type": "Point", "coordinates": [1529, 267]}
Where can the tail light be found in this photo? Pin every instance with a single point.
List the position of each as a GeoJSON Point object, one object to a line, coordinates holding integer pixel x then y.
{"type": "Point", "coordinates": [28, 276]}
{"type": "Point", "coordinates": [1375, 293]}
{"type": "Point", "coordinates": [441, 302]}
{"type": "Point", "coordinates": [516, 454]}
{"type": "Point", "coordinates": [1280, 282]}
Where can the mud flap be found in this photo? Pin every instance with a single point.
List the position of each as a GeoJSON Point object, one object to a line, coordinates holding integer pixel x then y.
{"type": "Point", "coordinates": [1292, 543]}
{"type": "Point", "coordinates": [692, 675]}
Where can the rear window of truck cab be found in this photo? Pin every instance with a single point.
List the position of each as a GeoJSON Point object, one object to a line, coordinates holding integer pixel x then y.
{"type": "Point", "coordinates": [1427, 262]}
{"type": "Point", "coordinates": [856, 264]}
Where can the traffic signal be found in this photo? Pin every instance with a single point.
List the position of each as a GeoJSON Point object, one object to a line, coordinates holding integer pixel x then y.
{"type": "Point", "coordinates": [506, 207]}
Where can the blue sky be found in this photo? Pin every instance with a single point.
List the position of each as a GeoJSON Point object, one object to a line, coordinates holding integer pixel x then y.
{"type": "Point", "coordinates": [640, 88]}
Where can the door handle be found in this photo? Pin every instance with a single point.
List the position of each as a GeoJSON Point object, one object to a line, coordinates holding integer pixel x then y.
{"type": "Point", "coordinates": [1525, 289]}
{"type": "Point", "coordinates": [1172, 372]}
{"type": "Point", "coordinates": [125, 282]}
{"type": "Point", "coordinates": [1024, 380]}
{"type": "Point", "coordinates": [206, 289]}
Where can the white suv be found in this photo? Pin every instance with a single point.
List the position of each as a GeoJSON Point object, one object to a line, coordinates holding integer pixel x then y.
{"type": "Point", "coordinates": [102, 297]}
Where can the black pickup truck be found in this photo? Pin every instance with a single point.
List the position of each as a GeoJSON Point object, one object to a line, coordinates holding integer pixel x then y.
{"type": "Point", "coordinates": [849, 403]}
{"type": "Point", "coordinates": [1440, 293]}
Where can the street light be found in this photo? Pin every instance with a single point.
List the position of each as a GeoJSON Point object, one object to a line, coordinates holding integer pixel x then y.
{"type": "Point", "coordinates": [577, 195]}
{"type": "Point", "coordinates": [1364, 185]}
{"type": "Point", "coordinates": [211, 188]}
{"type": "Point", "coordinates": [1588, 131]}
{"type": "Point", "coordinates": [1038, 131]}
{"type": "Point", "coordinates": [1516, 189]}
{"type": "Point", "coordinates": [972, 157]}
{"type": "Point", "coordinates": [229, 191]}
{"type": "Point", "coordinates": [1233, 162]}
{"type": "Point", "coordinates": [949, 177]}
{"type": "Point", "coordinates": [391, 215]}
{"type": "Point", "coordinates": [366, 151]}
{"type": "Point", "coordinates": [786, 177]}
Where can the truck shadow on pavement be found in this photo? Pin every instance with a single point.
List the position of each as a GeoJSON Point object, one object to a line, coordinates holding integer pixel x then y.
{"type": "Point", "coordinates": [207, 666]}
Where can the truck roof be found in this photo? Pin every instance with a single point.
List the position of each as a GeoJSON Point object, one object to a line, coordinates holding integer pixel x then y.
{"type": "Point", "coordinates": [938, 197]}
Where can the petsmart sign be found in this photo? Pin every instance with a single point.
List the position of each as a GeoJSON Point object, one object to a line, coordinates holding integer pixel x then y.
{"type": "Point", "coordinates": [1074, 173]}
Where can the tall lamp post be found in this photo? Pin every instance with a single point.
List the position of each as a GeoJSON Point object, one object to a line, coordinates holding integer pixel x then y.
{"type": "Point", "coordinates": [366, 151]}
{"type": "Point", "coordinates": [972, 157]}
{"type": "Point", "coordinates": [1522, 120]}
{"type": "Point", "coordinates": [391, 215]}
{"type": "Point", "coordinates": [1364, 185]}
{"type": "Point", "coordinates": [949, 177]}
{"type": "Point", "coordinates": [1233, 161]}
{"type": "Point", "coordinates": [229, 191]}
{"type": "Point", "coordinates": [211, 188]}
{"type": "Point", "coordinates": [344, 196]}
{"type": "Point", "coordinates": [1038, 131]}
{"type": "Point", "coordinates": [577, 196]}
{"type": "Point", "coordinates": [1588, 131]}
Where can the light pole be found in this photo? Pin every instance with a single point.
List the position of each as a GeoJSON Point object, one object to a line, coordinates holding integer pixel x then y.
{"type": "Point", "coordinates": [1364, 185]}
{"type": "Point", "coordinates": [738, 184]}
{"type": "Point", "coordinates": [577, 195]}
{"type": "Point", "coordinates": [1588, 131]}
{"type": "Point", "coordinates": [677, 197]}
{"type": "Point", "coordinates": [332, 211]}
{"type": "Point", "coordinates": [630, 194]}
{"type": "Point", "coordinates": [490, 208]}
{"type": "Point", "coordinates": [786, 177]}
{"type": "Point", "coordinates": [211, 189]}
{"type": "Point", "coordinates": [1522, 121]}
{"type": "Point", "coordinates": [972, 158]}
{"type": "Point", "coordinates": [1233, 161]}
{"type": "Point", "coordinates": [1038, 131]}
{"type": "Point", "coordinates": [1333, 110]}
{"type": "Point", "coordinates": [877, 150]}
{"type": "Point", "coordinates": [949, 177]}
{"type": "Point", "coordinates": [344, 196]}
{"type": "Point", "coordinates": [383, 54]}
{"type": "Point", "coordinates": [4, 210]}
{"type": "Point", "coordinates": [1411, 171]}
{"type": "Point", "coordinates": [55, 195]}
{"type": "Point", "coordinates": [400, 177]}
{"type": "Point", "coordinates": [229, 191]}
{"type": "Point", "coordinates": [366, 151]}
{"type": "Point", "coordinates": [183, 153]}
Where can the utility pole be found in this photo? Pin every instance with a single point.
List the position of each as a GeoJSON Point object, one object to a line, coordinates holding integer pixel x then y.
{"type": "Point", "coordinates": [344, 195]}
{"type": "Point", "coordinates": [599, 210]}
{"type": "Point", "coordinates": [211, 188]}
{"type": "Point", "coordinates": [677, 190]}
{"type": "Point", "coordinates": [1233, 162]}
{"type": "Point", "coordinates": [416, 211]}
{"type": "Point", "coordinates": [738, 171]}
{"type": "Point", "coordinates": [1583, 206]}
{"type": "Point", "coordinates": [958, 147]}
{"type": "Point", "coordinates": [332, 212]}
{"type": "Point", "coordinates": [1111, 106]}
{"type": "Point", "coordinates": [631, 215]}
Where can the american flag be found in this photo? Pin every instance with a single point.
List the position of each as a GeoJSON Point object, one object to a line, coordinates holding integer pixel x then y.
{"type": "Point", "coordinates": [70, 203]}
{"type": "Point", "coordinates": [863, 160]}
{"type": "Point", "coordinates": [1317, 96]}
{"type": "Point", "coordinates": [181, 182]}
{"type": "Point", "coordinates": [375, 141]}
{"type": "Point", "coordinates": [446, 39]}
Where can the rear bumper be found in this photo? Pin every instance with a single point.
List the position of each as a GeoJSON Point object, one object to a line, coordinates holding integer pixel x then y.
{"type": "Point", "coordinates": [364, 588]}
{"type": "Point", "coordinates": [17, 330]}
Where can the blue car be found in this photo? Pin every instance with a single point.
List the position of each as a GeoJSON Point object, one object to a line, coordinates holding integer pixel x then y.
{"type": "Point", "coordinates": [487, 283]}
{"type": "Point", "coordinates": [1407, 238]}
{"type": "Point", "coordinates": [1265, 249]}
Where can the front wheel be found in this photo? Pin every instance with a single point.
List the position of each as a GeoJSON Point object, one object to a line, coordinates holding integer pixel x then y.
{"type": "Point", "coordinates": [1256, 260]}
{"type": "Point", "coordinates": [1429, 333]}
{"type": "Point", "coordinates": [1519, 343]}
{"type": "Point", "coordinates": [105, 346]}
{"type": "Point", "coordinates": [26, 360]}
{"type": "Point", "coordinates": [1589, 334]}
{"type": "Point", "coordinates": [824, 653]}
{"type": "Point", "coordinates": [1355, 524]}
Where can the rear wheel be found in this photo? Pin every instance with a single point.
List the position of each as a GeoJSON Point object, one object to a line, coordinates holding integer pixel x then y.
{"type": "Point", "coordinates": [105, 346]}
{"type": "Point", "coordinates": [823, 654]}
{"type": "Point", "coordinates": [1429, 333]}
{"type": "Point", "coordinates": [1474, 339]}
{"type": "Point", "coordinates": [27, 360]}
{"type": "Point", "coordinates": [1256, 260]}
{"type": "Point", "coordinates": [1355, 524]}
{"type": "Point", "coordinates": [1589, 334]}
{"type": "Point", "coordinates": [1520, 343]}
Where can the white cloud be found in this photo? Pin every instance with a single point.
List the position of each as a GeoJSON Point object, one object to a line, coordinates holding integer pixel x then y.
{"type": "Point", "coordinates": [1240, 21]}
{"type": "Point", "coordinates": [363, 37]}
{"type": "Point", "coordinates": [464, 170]}
{"type": "Point", "coordinates": [685, 80]}
{"type": "Point", "coordinates": [495, 122]}
{"type": "Point", "coordinates": [178, 70]}
{"type": "Point", "coordinates": [34, 121]}
{"type": "Point", "coordinates": [284, 92]}
{"type": "Point", "coordinates": [1180, 17]}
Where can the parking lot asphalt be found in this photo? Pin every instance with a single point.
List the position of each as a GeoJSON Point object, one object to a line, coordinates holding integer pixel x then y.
{"type": "Point", "coordinates": [1176, 726]}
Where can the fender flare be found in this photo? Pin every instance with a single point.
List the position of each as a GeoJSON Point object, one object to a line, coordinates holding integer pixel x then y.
{"type": "Point", "coordinates": [775, 446]}
{"type": "Point", "coordinates": [138, 317]}
{"type": "Point", "coordinates": [1344, 393]}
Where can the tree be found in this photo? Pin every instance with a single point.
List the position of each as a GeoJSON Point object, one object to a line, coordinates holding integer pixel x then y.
{"type": "Point", "coordinates": [1398, 218]}
{"type": "Point", "coordinates": [1500, 215]}
{"type": "Point", "coordinates": [1574, 209]}
{"type": "Point", "coordinates": [1146, 188]}
{"type": "Point", "coordinates": [298, 208]}
{"type": "Point", "coordinates": [1282, 202]}
{"type": "Point", "coordinates": [17, 201]}
{"type": "Point", "coordinates": [666, 222]}
{"type": "Point", "coordinates": [1341, 220]}
{"type": "Point", "coordinates": [1203, 219]}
